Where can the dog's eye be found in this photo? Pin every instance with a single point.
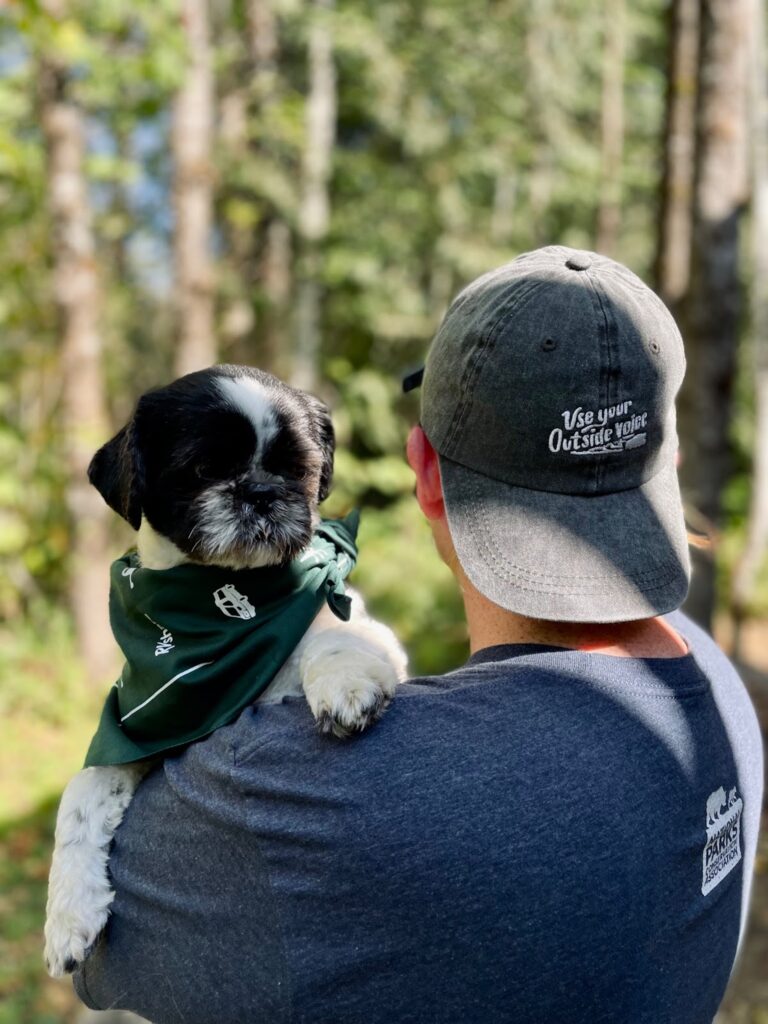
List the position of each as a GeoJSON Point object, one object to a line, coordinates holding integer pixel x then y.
{"type": "Point", "coordinates": [203, 471]}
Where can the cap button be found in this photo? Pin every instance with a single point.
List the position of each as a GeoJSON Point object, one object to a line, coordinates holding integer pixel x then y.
{"type": "Point", "coordinates": [579, 261]}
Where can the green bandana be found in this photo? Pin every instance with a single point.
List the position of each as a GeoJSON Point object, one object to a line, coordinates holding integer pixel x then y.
{"type": "Point", "coordinates": [202, 642]}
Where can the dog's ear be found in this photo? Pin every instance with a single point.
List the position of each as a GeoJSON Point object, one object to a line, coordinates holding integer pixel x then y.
{"type": "Point", "coordinates": [326, 438]}
{"type": "Point", "coordinates": [117, 473]}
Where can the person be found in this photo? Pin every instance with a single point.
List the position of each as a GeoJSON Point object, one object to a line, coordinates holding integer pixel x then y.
{"type": "Point", "coordinates": [561, 830]}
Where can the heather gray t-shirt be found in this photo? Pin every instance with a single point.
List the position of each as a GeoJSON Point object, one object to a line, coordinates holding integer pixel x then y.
{"type": "Point", "coordinates": [544, 835]}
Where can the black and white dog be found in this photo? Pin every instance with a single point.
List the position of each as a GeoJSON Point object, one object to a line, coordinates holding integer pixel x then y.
{"type": "Point", "coordinates": [225, 467]}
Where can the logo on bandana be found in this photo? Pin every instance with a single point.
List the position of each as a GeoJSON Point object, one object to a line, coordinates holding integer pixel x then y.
{"type": "Point", "coordinates": [722, 851]}
{"type": "Point", "coordinates": [611, 428]}
{"type": "Point", "coordinates": [234, 604]}
{"type": "Point", "coordinates": [165, 644]}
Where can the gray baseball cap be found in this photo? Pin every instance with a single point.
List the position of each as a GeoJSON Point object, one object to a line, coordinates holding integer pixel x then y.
{"type": "Point", "coordinates": [548, 394]}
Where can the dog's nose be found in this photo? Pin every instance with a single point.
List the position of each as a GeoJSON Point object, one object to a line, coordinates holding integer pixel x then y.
{"type": "Point", "coordinates": [260, 496]}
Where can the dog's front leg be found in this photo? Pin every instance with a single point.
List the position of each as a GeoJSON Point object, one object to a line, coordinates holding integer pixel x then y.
{"type": "Point", "coordinates": [79, 893]}
{"type": "Point", "coordinates": [349, 670]}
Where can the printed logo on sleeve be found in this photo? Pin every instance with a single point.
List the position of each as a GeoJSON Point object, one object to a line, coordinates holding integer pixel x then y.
{"type": "Point", "coordinates": [722, 850]}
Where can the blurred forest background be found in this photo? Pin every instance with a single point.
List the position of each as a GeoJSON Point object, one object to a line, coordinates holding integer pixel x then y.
{"type": "Point", "coordinates": [303, 185]}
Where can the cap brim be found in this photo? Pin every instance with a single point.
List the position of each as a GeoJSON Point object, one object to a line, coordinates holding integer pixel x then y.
{"type": "Point", "coordinates": [606, 558]}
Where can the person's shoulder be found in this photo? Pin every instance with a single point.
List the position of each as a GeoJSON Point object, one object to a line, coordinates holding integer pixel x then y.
{"type": "Point", "coordinates": [422, 707]}
{"type": "Point", "coordinates": [701, 644]}
{"type": "Point", "coordinates": [728, 688]}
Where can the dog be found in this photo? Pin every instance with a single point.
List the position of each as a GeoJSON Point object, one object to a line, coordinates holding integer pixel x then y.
{"type": "Point", "coordinates": [224, 467]}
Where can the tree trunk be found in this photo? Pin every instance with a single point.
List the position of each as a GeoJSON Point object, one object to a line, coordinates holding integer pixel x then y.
{"type": "Point", "coordinates": [263, 48]}
{"type": "Point", "coordinates": [191, 143]}
{"type": "Point", "coordinates": [757, 533]}
{"type": "Point", "coordinates": [275, 270]}
{"type": "Point", "coordinates": [315, 207]}
{"type": "Point", "coordinates": [261, 253]}
{"type": "Point", "coordinates": [83, 412]}
{"type": "Point", "coordinates": [673, 254]}
{"type": "Point", "coordinates": [612, 127]}
{"type": "Point", "coordinates": [277, 282]}
{"type": "Point", "coordinates": [711, 311]}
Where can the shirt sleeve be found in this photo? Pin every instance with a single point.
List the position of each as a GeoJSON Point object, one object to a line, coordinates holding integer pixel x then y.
{"type": "Point", "coordinates": [183, 944]}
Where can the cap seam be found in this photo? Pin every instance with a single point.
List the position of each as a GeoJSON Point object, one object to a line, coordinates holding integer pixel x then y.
{"type": "Point", "coordinates": [477, 360]}
{"type": "Point", "coordinates": [530, 587]}
{"type": "Point", "coordinates": [605, 369]}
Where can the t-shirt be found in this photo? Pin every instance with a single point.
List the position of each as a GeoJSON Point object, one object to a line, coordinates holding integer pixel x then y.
{"type": "Point", "coordinates": [544, 835]}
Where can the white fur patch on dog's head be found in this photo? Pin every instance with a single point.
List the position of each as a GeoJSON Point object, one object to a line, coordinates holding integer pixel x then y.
{"type": "Point", "coordinates": [254, 401]}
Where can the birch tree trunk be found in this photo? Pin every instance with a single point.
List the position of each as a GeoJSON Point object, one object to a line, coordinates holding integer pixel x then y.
{"type": "Point", "coordinates": [757, 534]}
{"type": "Point", "coordinates": [277, 282]}
{"type": "Point", "coordinates": [261, 252]}
{"type": "Point", "coordinates": [673, 254]}
{"type": "Point", "coordinates": [315, 207]}
{"type": "Point", "coordinates": [711, 311]}
{"type": "Point", "coordinates": [275, 270]}
{"type": "Point", "coordinates": [263, 48]}
{"type": "Point", "coordinates": [83, 408]}
{"type": "Point", "coordinates": [612, 126]}
{"type": "Point", "coordinates": [191, 143]}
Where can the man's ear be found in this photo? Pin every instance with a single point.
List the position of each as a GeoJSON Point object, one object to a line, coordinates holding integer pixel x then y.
{"type": "Point", "coordinates": [117, 473]}
{"type": "Point", "coordinates": [423, 460]}
{"type": "Point", "coordinates": [326, 438]}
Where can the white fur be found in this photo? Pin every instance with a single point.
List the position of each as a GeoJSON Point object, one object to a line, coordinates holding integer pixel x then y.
{"type": "Point", "coordinates": [254, 401]}
{"type": "Point", "coordinates": [343, 668]}
{"type": "Point", "coordinates": [219, 528]}
{"type": "Point", "coordinates": [155, 550]}
{"type": "Point", "coordinates": [347, 671]}
{"type": "Point", "coordinates": [79, 895]}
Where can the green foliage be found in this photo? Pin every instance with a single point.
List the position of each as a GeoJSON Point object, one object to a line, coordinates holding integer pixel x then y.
{"type": "Point", "coordinates": [409, 588]}
{"type": "Point", "coordinates": [48, 711]}
{"type": "Point", "coordinates": [466, 133]}
{"type": "Point", "coordinates": [398, 572]}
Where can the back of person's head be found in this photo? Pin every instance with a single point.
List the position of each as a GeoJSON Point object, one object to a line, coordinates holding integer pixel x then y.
{"type": "Point", "coordinates": [548, 394]}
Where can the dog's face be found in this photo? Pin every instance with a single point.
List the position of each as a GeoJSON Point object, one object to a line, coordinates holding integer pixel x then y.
{"type": "Point", "coordinates": [228, 464]}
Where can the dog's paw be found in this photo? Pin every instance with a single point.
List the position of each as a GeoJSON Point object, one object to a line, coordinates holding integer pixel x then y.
{"type": "Point", "coordinates": [71, 931]}
{"type": "Point", "coordinates": [79, 898]}
{"type": "Point", "coordinates": [348, 690]}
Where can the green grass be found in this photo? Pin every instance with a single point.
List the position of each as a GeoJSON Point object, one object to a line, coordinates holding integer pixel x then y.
{"type": "Point", "coordinates": [47, 712]}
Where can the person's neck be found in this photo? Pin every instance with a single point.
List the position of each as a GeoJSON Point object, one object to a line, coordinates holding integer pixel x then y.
{"type": "Point", "coordinates": [489, 625]}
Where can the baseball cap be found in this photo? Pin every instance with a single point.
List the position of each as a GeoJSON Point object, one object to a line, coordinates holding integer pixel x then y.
{"type": "Point", "coordinates": [548, 393]}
